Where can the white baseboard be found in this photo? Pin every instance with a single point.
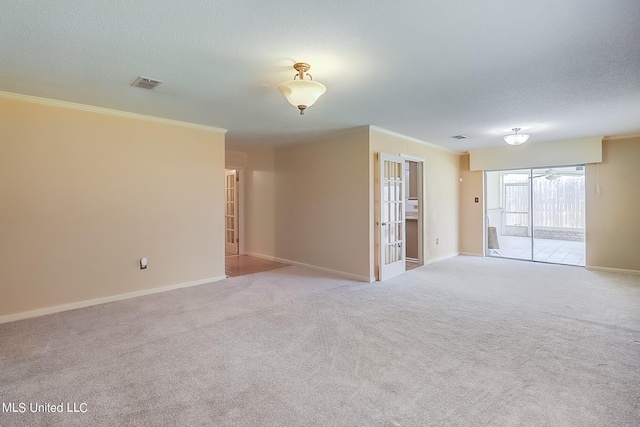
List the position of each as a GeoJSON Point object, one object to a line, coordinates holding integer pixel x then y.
{"type": "Point", "coordinates": [80, 304]}
{"type": "Point", "coordinates": [612, 270]}
{"type": "Point", "coordinates": [442, 258]}
{"type": "Point", "coordinates": [471, 254]}
{"type": "Point", "coordinates": [314, 267]}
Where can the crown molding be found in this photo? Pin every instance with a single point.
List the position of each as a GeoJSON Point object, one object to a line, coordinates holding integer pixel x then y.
{"type": "Point", "coordinates": [624, 136]}
{"type": "Point", "coordinates": [399, 135]}
{"type": "Point", "coordinates": [108, 111]}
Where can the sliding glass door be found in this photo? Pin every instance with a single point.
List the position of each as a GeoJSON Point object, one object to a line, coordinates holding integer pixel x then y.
{"type": "Point", "coordinates": [536, 214]}
{"type": "Point", "coordinates": [559, 214]}
{"type": "Point", "coordinates": [508, 218]}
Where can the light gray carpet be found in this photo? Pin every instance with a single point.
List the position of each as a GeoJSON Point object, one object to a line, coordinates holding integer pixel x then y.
{"type": "Point", "coordinates": [464, 342]}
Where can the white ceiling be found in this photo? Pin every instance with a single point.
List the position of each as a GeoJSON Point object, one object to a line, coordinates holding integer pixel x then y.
{"type": "Point", "coordinates": [424, 68]}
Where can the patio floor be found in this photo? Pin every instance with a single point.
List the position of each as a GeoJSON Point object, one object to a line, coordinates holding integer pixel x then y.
{"type": "Point", "coordinates": [545, 250]}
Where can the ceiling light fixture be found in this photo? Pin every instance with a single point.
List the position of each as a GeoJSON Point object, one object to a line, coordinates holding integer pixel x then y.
{"type": "Point", "coordinates": [516, 138]}
{"type": "Point", "coordinates": [302, 93]}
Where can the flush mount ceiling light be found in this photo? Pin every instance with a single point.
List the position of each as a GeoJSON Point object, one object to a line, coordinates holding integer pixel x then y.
{"type": "Point", "coordinates": [516, 138]}
{"type": "Point", "coordinates": [302, 93]}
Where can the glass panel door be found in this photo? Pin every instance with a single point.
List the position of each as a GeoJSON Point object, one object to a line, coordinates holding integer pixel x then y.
{"type": "Point", "coordinates": [392, 216]}
{"type": "Point", "coordinates": [559, 214]}
{"type": "Point", "coordinates": [508, 214]}
{"type": "Point", "coordinates": [231, 213]}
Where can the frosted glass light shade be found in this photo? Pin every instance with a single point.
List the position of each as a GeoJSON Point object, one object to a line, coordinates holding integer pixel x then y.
{"type": "Point", "coordinates": [302, 93]}
{"type": "Point", "coordinates": [516, 139]}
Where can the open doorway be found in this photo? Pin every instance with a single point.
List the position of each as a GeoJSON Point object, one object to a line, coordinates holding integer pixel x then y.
{"type": "Point", "coordinates": [413, 203]}
{"type": "Point", "coordinates": [536, 214]}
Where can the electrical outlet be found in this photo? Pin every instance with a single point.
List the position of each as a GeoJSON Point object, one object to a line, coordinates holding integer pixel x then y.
{"type": "Point", "coordinates": [437, 241]}
{"type": "Point", "coordinates": [143, 263]}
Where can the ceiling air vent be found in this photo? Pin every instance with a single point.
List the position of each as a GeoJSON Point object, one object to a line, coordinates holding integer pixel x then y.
{"type": "Point", "coordinates": [146, 82]}
{"type": "Point", "coordinates": [460, 137]}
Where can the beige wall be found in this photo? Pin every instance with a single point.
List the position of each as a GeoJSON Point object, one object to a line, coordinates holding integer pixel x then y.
{"type": "Point", "coordinates": [441, 188]}
{"type": "Point", "coordinates": [471, 213]}
{"type": "Point", "coordinates": [235, 159]}
{"type": "Point", "coordinates": [613, 203]}
{"type": "Point", "coordinates": [308, 203]}
{"type": "Point", "coordinates": [84, 195]}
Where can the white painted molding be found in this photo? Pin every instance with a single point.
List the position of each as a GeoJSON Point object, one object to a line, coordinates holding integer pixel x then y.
{"type": "Point", "coordinates": [412, 158]}
{"type": "Point", "coordinates": [442, 258]}
{"type": "Point", "coordinates": [625, 136]}
{"type": "Point", "coordinates": [612, 270]}
{"type": "Point", "coordinates": [409, 138]}
{"type": "Point", "coordinates": [103, 300]}
{"type": "Point", "coordinates": [108, 111]}
{"type": "Point", "coordinates": [471, 254]}
{"type": "Point", "coordinates": [314, 267]}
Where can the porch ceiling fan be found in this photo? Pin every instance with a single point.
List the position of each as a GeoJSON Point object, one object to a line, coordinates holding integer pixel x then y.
{"type": "Point", "coordinates": [549, 174]}
{"type": "Point", "coordinates": [552, 174]}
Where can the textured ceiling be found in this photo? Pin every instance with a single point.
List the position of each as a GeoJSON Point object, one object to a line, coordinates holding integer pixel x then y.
{"type": "Point", "coordinates": [424, 68]}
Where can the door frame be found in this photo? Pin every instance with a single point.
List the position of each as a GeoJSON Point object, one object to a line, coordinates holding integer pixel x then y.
{"type": "Point", "coordinates": [421, 207]}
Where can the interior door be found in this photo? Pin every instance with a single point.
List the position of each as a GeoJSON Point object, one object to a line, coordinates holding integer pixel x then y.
{"type": "Point", "coordinates": [392, 216]}
{"type": "Point", "coordinates": [231, 213]}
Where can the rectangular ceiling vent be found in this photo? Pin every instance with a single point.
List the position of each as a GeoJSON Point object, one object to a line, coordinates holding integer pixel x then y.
{"type": "Point", "coordinates": [460, 137]}
{"type": "Point", "coordinates": [146, 82]}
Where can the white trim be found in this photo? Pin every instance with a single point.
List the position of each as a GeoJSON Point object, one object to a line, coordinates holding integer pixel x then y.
{"type": "Point", "coordinates": [612, 270]}
{"type": "Point", "coordinates": [485, 221]}
{"type": "Point", "coordinates": [103, 300]}
{"type": "Point", "coordinates": [314, 267]}
{"type": "Point", "coordinates": [626, 136]}
{"type": "Point", "coordinates": [108, 111]}
{"type": "Point", "coordinates": [412, 158]}
{"type": "Point", "coordinates": [442, 258]}
{"type": "Point", "coordinates": [399, 135]}
{"type": "Point", "coordinates": [471, 254]}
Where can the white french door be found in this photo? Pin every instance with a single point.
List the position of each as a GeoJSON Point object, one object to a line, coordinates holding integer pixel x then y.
{"type": "Point", "coordinates": [231, 212]}
{"type": "Point", "coordinates": [392, 216]}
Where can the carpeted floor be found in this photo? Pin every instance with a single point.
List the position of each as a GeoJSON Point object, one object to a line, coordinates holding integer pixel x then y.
{"type": "Point", "coordinates": [463, 342]}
